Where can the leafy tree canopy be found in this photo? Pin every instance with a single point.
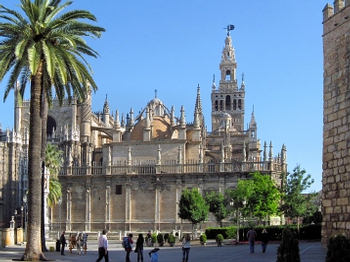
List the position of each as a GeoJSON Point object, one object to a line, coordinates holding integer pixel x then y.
{"type": "Point", "coordinates": [295, 203]}
{"type": "Point", "coordinates": [192, 206]}
{"type": "Point", "coordinates": [217, 205]}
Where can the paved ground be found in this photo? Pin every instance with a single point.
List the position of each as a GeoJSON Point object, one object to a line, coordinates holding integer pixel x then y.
{"type": "Point", "coordinates": [309, 252]}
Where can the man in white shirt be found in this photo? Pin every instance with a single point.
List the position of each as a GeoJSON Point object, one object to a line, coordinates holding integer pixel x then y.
{"type": "Point", "coordinates": [102, 246]}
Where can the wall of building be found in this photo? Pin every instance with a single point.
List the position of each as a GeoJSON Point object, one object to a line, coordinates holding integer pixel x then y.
{"type": "Point", "coordinates": [336, 139]}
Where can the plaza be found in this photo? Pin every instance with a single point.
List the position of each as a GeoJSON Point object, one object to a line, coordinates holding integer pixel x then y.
{"type": "Point", "coordinates": [309, 252]}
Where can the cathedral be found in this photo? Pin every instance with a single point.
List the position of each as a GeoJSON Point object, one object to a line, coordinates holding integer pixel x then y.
{"type": "Point", "coordinates": [126, 172]}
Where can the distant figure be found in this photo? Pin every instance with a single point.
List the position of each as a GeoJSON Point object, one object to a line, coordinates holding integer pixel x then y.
{"type": "Point", "coordinates": [139, 248]}
{"type": "Point", "coordinates": [79, 243]}
{"type": "Point", "coordinates": [186, 245]}
{"type": "Point", "coordinates": [63, 242]}
{"type": "Point", "coordinates": [251, 238]}
{"type": "Point", "coordinates": [85, 237]}
{"type": "Point", "coordinates": [153, 254]}
{"type": "Point", "coordinates": [103, 246]}
{"type": "Point", "coordinates": [264, 240]}
{"type": "Point", "coordinates": [127, 244]}
{"type": "Point", "coordinates": [149, 238]}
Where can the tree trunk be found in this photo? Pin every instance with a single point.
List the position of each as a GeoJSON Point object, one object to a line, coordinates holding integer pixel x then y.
{"type": "Point", "coordinates": [33, 247]}
{"type": "Point", "coordinates": [44, 112]}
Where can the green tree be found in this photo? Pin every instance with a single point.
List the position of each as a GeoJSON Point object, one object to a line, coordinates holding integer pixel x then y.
{"type": "Point", "coordinates": [255, 197]}
{"type": "Point", "coordinates": [217, 205]}
{"type": "Point", "coordinates": [295, 204]}
{"type": "Point", "coordinates": [193, 207]}
{"type": "Point", "coordinates": [53, 161]}
{"type": "Point", "coordinates": [45, 48]}
{"type": "Point", "coordinates": [266, 197]}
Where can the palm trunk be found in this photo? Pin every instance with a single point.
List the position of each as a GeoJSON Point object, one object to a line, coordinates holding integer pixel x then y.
{"type": "Point", "coordinates": [44, 112]}
{"type": "Point", "coordinates": [33, 247]}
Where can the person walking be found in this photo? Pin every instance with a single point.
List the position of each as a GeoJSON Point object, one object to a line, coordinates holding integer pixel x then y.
{"type": "Point", "coordinates": [186, 245]}
{"type": "Point", "coordinates": [79, 243]}
{"type": "Point", "coordinates": [139, 248]}
{"type": "Point", "coordinates": [264, 240]}
{"type": "Point", "coordinates": [103, 246]}
{"type": "Point", "coordinates": [127, 244]}
{"type": "Point", "coordinates": [63, 242]}
{"type": "Point", "coordinates": [251, 238]}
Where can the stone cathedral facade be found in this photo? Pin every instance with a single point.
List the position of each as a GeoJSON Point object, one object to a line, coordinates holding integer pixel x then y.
{"type": "Point", "coordinates": [127, 172]}
{"type": "Point", "coordinates": [336, 128]}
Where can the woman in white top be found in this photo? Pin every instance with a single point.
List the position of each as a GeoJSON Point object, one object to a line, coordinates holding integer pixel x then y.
{"type": "Point", "coordinates": [186, 245]}
{"type": "Point", "coordinates": [102, 246]}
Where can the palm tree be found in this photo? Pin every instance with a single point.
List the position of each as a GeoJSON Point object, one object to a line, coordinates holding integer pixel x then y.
{"type": "Point", "coordinates": [46, 48]}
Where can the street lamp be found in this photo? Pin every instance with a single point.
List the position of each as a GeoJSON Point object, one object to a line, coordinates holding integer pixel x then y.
{"type": "Point", "coordinates": [22, 216]}
{"type": "Point", "coordinates": [59, 211]}
{"type": "Point", "coordinates": [25, 210]}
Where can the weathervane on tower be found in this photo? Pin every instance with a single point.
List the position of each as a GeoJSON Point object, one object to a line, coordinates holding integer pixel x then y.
{"type": "Point", "coordinates": [229, 28]}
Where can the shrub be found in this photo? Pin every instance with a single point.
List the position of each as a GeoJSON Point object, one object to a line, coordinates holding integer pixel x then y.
{"type": "Point", "coordinates": [203, 238]}
{"type": "Point", "coordinates": [226, 232]}
{"type": "Point", "coordinates": [160, 239]}
{"type": "Point", "coordinates": [288, 251]}
{"type": "Point", "coordinates": [171, 239]}
{"type": "Point", "coordinates": [166, 237]}
{"type": "Point", "coordinates": [154, 238]}
{"type": "Point", "coordinates": [219, 238]}
{"type": "Point", "coordinates": [310, 232]}
{"type": "Point", "coordinates": [338, 249]}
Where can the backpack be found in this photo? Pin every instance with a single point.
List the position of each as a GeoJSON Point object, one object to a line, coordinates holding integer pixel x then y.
{"type": "Point", "coordinates": [126, 243]}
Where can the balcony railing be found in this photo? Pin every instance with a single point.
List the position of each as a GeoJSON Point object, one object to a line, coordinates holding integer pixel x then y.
{"type": "Point", "coordinates": [171, 167]}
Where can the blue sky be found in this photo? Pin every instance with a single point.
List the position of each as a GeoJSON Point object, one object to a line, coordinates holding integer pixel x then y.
{"type": "Point", "coordinates": [173, 46]}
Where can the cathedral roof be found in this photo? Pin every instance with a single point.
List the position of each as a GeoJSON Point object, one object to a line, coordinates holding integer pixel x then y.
{"type": "Point", "coordinates": [161, 129]}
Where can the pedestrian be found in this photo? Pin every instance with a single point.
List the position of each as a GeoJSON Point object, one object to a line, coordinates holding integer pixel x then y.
{"type": "Point", "coordinates": [103, 246]}
{"type": "Point", "coordinates": [153, 254]}
{"type": "Point", "coordinates": [85, 238]}
{"type": "Point", "coordinates": [63, 242]}
{"type": "Point", "coordinates": [127, 244]}
{"type": "Point", "coordinates": [186, 245]}
{"type": "Point", "coordinates": [251, 238]}
{"type": "Point", "coordinates": [79, 243]}
{"type": "Point", "coordinates": [264, 240]}
{"type": "Point", "coordinates": [139, 248]}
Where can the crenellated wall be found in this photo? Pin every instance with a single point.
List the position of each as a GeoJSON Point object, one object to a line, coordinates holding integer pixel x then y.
{"type": "Point", "coordinates": [336, 120]}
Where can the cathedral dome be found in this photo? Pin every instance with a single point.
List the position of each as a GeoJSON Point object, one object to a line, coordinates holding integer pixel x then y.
{"type": "Point", "coordinates": [161, 129]}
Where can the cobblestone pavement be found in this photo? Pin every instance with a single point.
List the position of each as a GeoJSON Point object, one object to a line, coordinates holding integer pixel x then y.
{"type": "Point", "coordinates": [309, 252]}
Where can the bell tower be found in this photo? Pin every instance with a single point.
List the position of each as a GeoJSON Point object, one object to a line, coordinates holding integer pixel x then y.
{"type": "Point", "coordinates": [228, 99]}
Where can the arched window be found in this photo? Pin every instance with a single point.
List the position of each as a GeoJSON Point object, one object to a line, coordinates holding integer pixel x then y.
{"type": "Point", "coordinates": [50, 126]}
{"type": "Point", "coordinates": [221, 105]}
{"type": "Point", "coordinates": [228, 75]}
{"type": "Point", "coordinates": [239, 104]}
{"type": "Point", "coordinates": [228, 102]}
{"type": "Point", "coordinates": [216, 105]}
{"type": "Point", "coordinates": [234, 104]}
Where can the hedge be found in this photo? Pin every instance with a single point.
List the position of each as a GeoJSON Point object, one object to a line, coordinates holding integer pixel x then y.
{"type": "Point", "coordinates": [226, 232]}
{"type": "Point", "coordinates": [306, 232]}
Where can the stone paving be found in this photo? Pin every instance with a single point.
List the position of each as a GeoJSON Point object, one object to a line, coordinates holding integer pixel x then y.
{"type": "Point", "coordinates": [309, 252]}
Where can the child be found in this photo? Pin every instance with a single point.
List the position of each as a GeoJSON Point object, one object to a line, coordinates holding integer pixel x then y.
{"type": "Point", "coordinates": [153, 254]}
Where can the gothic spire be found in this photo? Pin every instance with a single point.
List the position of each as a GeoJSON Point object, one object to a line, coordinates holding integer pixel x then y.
{"type": "Point", "coordinates": [116, 121]}
{"type": "Point", "coordinates": [213, 85]}
{"type": "Point", "coordinates": [106, 107]}
{"type": "Point", "coordinates": [182, 117]}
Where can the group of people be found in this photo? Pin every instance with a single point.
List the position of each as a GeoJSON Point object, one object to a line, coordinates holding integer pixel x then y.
{"type": "Point", "coordinates": [79, 240]}
{"type": "Point", "coordinates": [251, 235]}
{"type": "Point", "coordinates": [81, 243]}
{"type": "Point", "coordinates": [128, 246]}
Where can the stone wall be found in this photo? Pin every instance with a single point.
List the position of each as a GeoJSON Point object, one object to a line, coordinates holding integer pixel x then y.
{"type": "Point", "coordinates": [336, 119]}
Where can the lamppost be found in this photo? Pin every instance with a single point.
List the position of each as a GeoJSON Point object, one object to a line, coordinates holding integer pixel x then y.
{"type": "Point", "coordinates": [22, 217]}
{"type": "Point", "coordinates": [25, 210]}
{"type": "Point", "coordinates": [59, 211]}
